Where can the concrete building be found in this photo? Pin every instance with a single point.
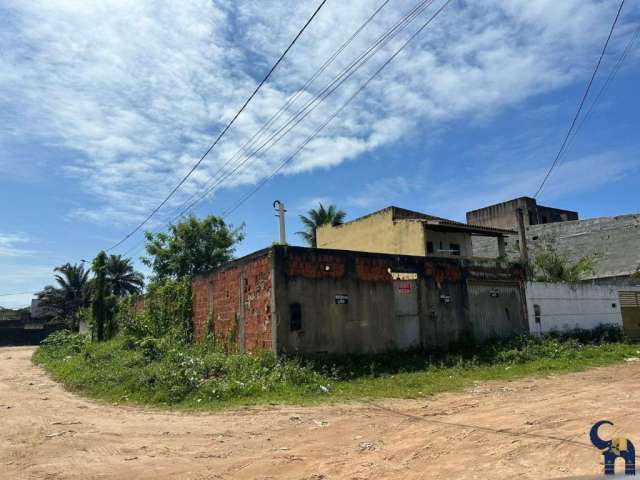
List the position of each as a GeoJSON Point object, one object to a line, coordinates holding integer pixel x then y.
{"type": "Point", "coordinates": [614, 242]}
{"type": "Point", "coordinates": [20, 327]}
{"type": "Point", "coordinates": [503, 215]}
{"type": "Point", "coordinates": [405, 232]}
{"type": "Point", "coordinates": [293, 299]}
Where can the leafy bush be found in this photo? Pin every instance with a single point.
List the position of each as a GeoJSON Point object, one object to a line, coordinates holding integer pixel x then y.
{"type": "Point", "coordinates": [149, 348]}
{"type": "Point", "coordinates": [551, 266]}
{"type": "Point", "coordinates": [164, 311]}
{"type": "Point", "coordinates": [64, 342]}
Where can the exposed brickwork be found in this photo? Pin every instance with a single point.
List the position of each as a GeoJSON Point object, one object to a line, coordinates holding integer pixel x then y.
{"type": "Point", "coordinates": [373, 269]}
{"type": "Point", "coordinates": [217, 296]}
{"type": "Point", "coordinates": [442, 272]}
{"type": "Point", "coordinates": [199, 299]}
{"type": "Point", "coordinates": [257, 305]}
{"type": "Point", "coordinates": [315, 266]}
{"type": "Point", "coordinates": [225, 304]}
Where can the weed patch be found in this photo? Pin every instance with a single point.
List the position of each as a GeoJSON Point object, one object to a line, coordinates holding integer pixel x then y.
{"type": "Point", "coordinates": [170, 372]}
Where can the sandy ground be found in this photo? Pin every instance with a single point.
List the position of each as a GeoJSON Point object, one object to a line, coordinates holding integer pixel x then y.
{"type": "Point", "coordinates": [532, 428]}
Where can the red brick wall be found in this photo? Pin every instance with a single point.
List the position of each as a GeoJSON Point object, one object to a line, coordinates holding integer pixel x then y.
{"type": "Point", "coordinates": [311, 265]}
{"type": "Point", "coordinates": [217, 296]}
{"type": "Point", "coordinates": [373, 269]}
{"type": "Point", "coordinates": [199, 294]}
{"type": "Point", "coordinates": [442, 272]}
{"type": "Point", "coordinates": [257, 305]}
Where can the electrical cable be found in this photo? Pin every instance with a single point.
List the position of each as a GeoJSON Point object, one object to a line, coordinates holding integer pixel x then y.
{"type": "Point", "coordinates": [222, 133]}
{"type": "Point", "coordinates": [302, 113]}
{"type": "Point", "coordinates": [605, 85]}
{"type": "Point", "coordinates": [335, 114]}
{"type": "Point", "coordinates": [323, 95]}
{"type": "Point", "coordinates": [581, 104]}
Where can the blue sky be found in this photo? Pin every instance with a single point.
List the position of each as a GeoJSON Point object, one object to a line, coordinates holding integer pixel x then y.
{"type": "Point", "coordinates": [105, 105]}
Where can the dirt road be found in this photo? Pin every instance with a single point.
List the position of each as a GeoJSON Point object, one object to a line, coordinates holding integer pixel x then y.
{"type": "Point", "coordinates": [535, 428]}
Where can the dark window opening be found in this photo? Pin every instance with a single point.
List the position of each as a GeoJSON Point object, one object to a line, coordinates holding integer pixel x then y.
{"type": "Point", "coordinates": [295, 317]}
{"type": "Point", "coordinates": [455, 249]}
{"type": "Point", "coordinates": [429, 247]}
{"type": "Point", "coordinates": [536, 312]}
{"type": "Point", "coordinates": [613, 305]}
{"type": "Point", "coordinates": [531, 220]}
{"type": "Point", "coordinates": [508, 315]}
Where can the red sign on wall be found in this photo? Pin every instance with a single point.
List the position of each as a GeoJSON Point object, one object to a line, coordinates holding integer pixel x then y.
{"type": "Point", "coordinates": [404, 288]}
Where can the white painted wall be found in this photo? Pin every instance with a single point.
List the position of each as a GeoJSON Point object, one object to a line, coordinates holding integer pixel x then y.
{"type": "Point", "coordinates": [566, 307]}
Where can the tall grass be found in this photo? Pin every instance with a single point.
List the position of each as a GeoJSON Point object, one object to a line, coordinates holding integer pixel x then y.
{"type": "Point", "coordinates": [166, 371]}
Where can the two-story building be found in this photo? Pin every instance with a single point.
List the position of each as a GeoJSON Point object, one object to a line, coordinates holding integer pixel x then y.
{"type": "Point", "coordinates": [404, 232]}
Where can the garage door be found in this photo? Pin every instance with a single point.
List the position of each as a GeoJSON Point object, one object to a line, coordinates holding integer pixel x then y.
{"type": "Point", "coordinates": [496, 310]}
{"type": "Point", "coordinates": [630, 309]}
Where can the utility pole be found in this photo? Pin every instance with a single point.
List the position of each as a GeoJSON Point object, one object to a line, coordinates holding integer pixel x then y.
{"type": "Point", "coordinates": [279, 206]}
{"type": "Point", "coordinates": [524, 251]}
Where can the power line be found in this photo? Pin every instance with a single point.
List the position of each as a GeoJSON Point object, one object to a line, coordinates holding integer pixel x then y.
{"type": "Point", "coordinates": [17, 293]}
{"type": "Point", "coordinates": [312, 104]}
{"type": "Point", "coordinates": [605, 85]}
{"type": "Point", "coordinates": [222, 133]}
{"type": "Point", "coordinates": [336, 113]}
{"type": "Point", "coordinates": [582, 101]}
{"type": "Point", "coordinates": [289, 102]}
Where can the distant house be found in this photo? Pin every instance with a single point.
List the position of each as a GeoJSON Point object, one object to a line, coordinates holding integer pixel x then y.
{"type": "Point", "coordinates": [503, 215]}
{"type": "Point", "coordinates": [404, 232]}
{"type": "Point", "coordinates": [614, 242]}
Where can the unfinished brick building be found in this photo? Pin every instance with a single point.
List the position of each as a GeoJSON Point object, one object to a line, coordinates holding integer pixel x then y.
{"type": "Point", "coordinates": [293, 299]}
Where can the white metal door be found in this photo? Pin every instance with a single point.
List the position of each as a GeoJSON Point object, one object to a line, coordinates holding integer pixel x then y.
{"type": "Point", "coordinates": [406, 308]}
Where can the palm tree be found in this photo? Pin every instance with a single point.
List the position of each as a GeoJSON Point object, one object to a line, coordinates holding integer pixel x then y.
{"type": "Point", "coordinates": [70, 294]}
{"type": "Point", "coordinates": [121, 277]}
{"type": "Point", "coordinates": [318, 217]}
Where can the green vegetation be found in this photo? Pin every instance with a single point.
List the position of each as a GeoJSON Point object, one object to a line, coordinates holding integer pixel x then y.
{"type": "Point", "coordinates": [121, 277]}
{"type": "Point", "coordinates": [164, 312]}
{"type": "Point", "coordinates": [70, 294]}
{"type": "Point", "coordinates": [168, 371]}
{"type": "Point", "coordinates": [316, 218]}
{"type": "Point", "coordinates": [191, 246]}
{"type": "Point", "coordinates": [73, 298]}
{"type": "Point", "coordinates": [551, 266]}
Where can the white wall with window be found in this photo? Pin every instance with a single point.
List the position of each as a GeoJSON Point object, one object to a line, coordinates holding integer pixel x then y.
{"type": "Point", "coordinates": [444, 244]}
{"type": "Point", "coordinates": [562, 307]}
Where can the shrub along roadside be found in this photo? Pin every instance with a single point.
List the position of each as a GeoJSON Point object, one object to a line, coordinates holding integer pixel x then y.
{"type": "Point", "coordinates": [166, 371]}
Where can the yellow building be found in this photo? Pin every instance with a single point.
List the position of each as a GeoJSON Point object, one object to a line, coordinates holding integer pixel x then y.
{"type": "Point", "coordinates": [404, 232]}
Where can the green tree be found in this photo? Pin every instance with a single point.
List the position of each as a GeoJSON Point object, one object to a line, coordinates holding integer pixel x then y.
{"type": "Point", "coordinates": [190, 247]}
{"type": "Point", "coordinates": [551, 266]}
{"type": "Point", "coordinates": [317, 217]}
{"type": "Point", "coordinates": [121, 277]}
{"type": "Point", "coordinates": [99, 294]}
{"type": "Point", "coordinates": [71, 293]}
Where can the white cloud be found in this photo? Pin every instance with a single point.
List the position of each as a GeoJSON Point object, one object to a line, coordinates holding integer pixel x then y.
{"type": "Point", "coordinates": [9, 245]}
{"type": "Point", "coordinates": [139, 90]}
